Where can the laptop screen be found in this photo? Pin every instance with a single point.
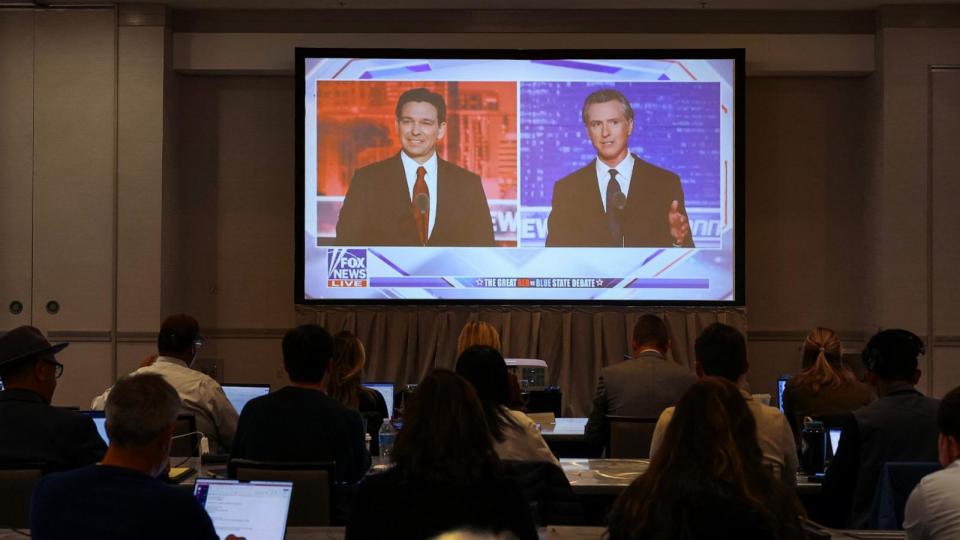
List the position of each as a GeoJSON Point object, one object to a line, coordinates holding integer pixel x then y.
{"type": "Point", "coordinates": [245, 509]}
{"type": "Point", "coordinates": [781, 386]}
{"type": "Point", "coordinates": [386, 390]}
{"type": "Point", "coordinates": [99, 420]}
{"type": "Point", "coordinates": [240, 394]}
{"type": "Point", "coordinates": [834, 440]}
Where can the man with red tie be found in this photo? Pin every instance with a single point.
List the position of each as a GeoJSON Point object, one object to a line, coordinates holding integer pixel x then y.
{"type": "Point", "coordinates": [415, 198]}
{"type": "Point", "coordinates": [618, 199]}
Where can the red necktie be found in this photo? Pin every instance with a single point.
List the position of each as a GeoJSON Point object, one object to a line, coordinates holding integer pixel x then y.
{"type": "Point", "coordinates": [421, 217]}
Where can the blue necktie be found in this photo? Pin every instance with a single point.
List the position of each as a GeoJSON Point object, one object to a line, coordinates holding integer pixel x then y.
{"type": "Point", "coordinates": [613, 214]}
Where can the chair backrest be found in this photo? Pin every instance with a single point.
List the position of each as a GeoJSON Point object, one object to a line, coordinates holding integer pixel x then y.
{"type": "Point", "coordinates": [897, 480]}
{"type": "Point", "coordinates": [312, 503]}
{"type": "Point", "coordinates": [630, 436]}
{"type": "Point", "coordinates": [17, 481]}
{"type": "Point", "coordinates": [547, 490]}
{"type": "Point", "coordinates": [189, 445]}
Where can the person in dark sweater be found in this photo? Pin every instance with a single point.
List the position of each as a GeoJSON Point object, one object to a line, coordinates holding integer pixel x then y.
{"type": "Point", "coordinates": [446, 475]}
{"type": "Point", "coordinates": [122, 497]}
{"type": "Point", "coordinates": [708, 480]}
{"type": "Point", "coordinates": [300, 422]}
{"type": "Point", "coordinates": [31, 430]}
{"type": "Point", "coordinates": [901, 425]}
{"type": "Point", "coordinates": [343, 385]}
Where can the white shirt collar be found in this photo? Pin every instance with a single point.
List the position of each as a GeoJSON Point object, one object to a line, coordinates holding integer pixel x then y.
{"type": "Point", "coordinates": [410, 167]}
{"type": "Point", "coordinates": [624, 174]}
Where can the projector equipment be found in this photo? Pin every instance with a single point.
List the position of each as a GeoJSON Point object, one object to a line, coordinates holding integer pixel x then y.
{"type": "Point", "coordinates": [531, 373]}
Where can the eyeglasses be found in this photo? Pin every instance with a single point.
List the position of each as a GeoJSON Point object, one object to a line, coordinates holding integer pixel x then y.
{"type": "Point", "coordinates": [199, 341]}
{"type": "Point", "coordinates": [57, 368]}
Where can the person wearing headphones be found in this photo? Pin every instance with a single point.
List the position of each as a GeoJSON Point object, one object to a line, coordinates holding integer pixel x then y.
{"type": "Point", "coordinates": [901, 425]}
{"type": "Point", "coordinates": [178, 344]}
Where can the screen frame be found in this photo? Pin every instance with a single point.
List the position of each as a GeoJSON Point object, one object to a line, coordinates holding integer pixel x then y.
{"type": "Point", "coordinates": [738, 55]}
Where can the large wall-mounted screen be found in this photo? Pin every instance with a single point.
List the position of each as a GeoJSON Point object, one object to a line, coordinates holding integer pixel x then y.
{"type": "Point", "coordinates": [520, 176]}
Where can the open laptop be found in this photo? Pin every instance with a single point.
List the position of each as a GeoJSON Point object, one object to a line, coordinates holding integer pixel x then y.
{"type": "Point", "coordinates": [246, 509]}
{"type": "Point", "coordinates": [99, 420]}
{"type": "Point", "coordinates": [781, 386]}
{"type": "Point", "coordinates": [240, 394]}
{"type": "Point", "coordinates": [386, 390]}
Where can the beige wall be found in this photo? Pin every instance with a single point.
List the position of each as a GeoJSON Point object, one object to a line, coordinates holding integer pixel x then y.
{"type": "Point", "coordinates": [204, 190]}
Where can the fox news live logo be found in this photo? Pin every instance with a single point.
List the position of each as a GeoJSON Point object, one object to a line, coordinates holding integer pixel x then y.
{"type": "Point", "coordinates": [346, 268]}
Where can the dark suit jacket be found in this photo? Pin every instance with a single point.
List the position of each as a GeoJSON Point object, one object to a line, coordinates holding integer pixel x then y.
{"type": "Point", "coordinates": [578, 218]}
{"type": "Point", "coordinates": [32, 430]}
{"type": "Point", "coordinates": [642, 387]}
{"type": "Point", "coordinates": [900, 426]}
{"type": "Point", "coordinates": [377, 210]}
{"type": "Point", "coordinates": [302, 425]}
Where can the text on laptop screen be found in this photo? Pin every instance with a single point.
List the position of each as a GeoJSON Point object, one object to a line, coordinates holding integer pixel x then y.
{"type": "Point", "coordinates": [239, 395]}
{"type": "Point", "coordinates": [246, 509]}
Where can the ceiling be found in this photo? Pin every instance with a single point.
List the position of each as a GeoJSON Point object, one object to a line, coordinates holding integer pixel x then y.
{"type": "Point", "coordinates": [446, 5]}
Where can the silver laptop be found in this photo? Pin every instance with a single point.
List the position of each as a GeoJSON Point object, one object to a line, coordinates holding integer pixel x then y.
{"type": "Point", "coordinates": [240, 394]}
{"type": "Point", "coordinates": [385, 390]}
{"type": "Point", "coordinates": [252, 510]}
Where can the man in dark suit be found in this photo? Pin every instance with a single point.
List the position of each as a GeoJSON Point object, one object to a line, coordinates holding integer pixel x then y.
{"type": "Point", "coordinates": [618, 200]}
{"type": "Point", "coordinates": [31, 430]}
{"type": "Point", "coordinates": [643, 386]}
{"type": "Point", "coordinates": [415, 198]}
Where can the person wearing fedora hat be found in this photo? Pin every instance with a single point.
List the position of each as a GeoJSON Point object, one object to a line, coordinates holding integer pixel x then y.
{"type": "Point", "coordinates": [31, 430]}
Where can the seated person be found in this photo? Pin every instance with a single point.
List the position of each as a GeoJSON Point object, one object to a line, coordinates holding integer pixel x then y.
{"type": "Point", "coordinates": [123, 497]}
{"type": "Point", "coordinates": [445, 476]}
{"type": "Point", "coordinates": [721, 351]}
{"type": "Point", "coordinates": [901, 425]}
{"type": "Point", "coordinates": [477, 333]}
{"type": "Point", "coordinates": [515, 435]}
{"type": "Point", "coordinates": [343, 385]}
{"type": "Point", "coordinates": [933, 509]}
{"type": "Point", "coordinates": [31, 430]}
{"type": "Point", "coordinates": [178, 343]}
{"type": "Point", "coordinates": [708, 480]}
{"type": "Point", "coordinates": [300, 422]}
{"type": "Point", "coordinates": [825, 387]}
{"type": "Point", "coordinates": [642, 386]}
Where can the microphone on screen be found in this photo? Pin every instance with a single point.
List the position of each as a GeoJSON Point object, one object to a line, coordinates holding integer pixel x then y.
{"type": "Point", "coordinates": [619, 201]}
{"type": "Point", "coordinates": [422, 202]}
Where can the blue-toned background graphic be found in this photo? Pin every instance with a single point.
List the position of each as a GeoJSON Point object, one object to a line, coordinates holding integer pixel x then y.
{"type": "Point", "coordinates": [676, 126]}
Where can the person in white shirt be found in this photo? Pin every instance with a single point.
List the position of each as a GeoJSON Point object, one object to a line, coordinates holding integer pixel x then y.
{"type": "Point", "coordinates": [933, 509]}
{"type": "Point", "coordinates": [721, 351]}
{"type": "Point", "coordinates": [178, 342]}
{"type": "Point", "coordinates": [515, 435]}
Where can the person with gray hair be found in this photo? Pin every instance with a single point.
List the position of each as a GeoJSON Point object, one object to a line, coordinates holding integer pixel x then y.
{"type": "Point", "coordinates": [124, 496]}
{"type": "Point", "coordinates": [618, 199]}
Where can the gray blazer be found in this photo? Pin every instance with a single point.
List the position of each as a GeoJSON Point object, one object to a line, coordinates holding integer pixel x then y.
{"type": "Point", "coordinates": [643, 387]}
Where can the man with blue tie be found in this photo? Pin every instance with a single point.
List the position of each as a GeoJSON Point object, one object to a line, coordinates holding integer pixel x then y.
{"type": "Point", "coordinates": [618, 200]}
{"type": "Point", "coordinates": [415, 198]}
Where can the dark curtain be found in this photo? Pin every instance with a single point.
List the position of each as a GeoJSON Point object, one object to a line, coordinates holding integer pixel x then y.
{"type": "Point", "coordinates": [405, 342]}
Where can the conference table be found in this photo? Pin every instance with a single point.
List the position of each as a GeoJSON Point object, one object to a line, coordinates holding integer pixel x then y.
{"type": "Point", "coordinates": [545, 533]}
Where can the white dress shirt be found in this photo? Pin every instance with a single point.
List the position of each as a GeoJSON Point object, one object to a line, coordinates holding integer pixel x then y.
{"type": "Point", "coordinates": [933, 509]}
{"type": "Point", "coordinates": [524, 442]}
{"type": "Point", "coordinates": [410, 167]}
{"type": "Point", "coordinates": [624, 174]}
{"type": "Point", "coordinates": [773, 434]}
{"type": "Point", "coordinates": [201, 396]}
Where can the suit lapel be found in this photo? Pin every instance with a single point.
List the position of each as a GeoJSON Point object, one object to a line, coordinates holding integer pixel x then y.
{"type": "Point", "coordinates": [399, 195]}
{"type": "Point", "coordinates": [637, 186]}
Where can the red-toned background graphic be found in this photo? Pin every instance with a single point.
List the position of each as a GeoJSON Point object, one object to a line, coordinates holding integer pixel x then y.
{"type": "Point", "coordinates": [356, 126]}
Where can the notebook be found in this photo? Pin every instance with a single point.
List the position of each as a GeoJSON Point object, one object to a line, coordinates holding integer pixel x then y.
{"type": "Point", "coordinates": [385, 390]}
{"type": "Point", "coordinates": [240, 394]}
{"type": "Point", "coordinates": [253, 510]}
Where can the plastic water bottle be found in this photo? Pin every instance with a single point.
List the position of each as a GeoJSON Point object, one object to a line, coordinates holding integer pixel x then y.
{"type": "Point", "coordinates": [388, 434]}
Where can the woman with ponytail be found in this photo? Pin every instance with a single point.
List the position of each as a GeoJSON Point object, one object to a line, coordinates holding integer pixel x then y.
{"type": "Point", "coordinates": [824, 386]}
{"type": "Point", "coordinates": [349, 358]}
